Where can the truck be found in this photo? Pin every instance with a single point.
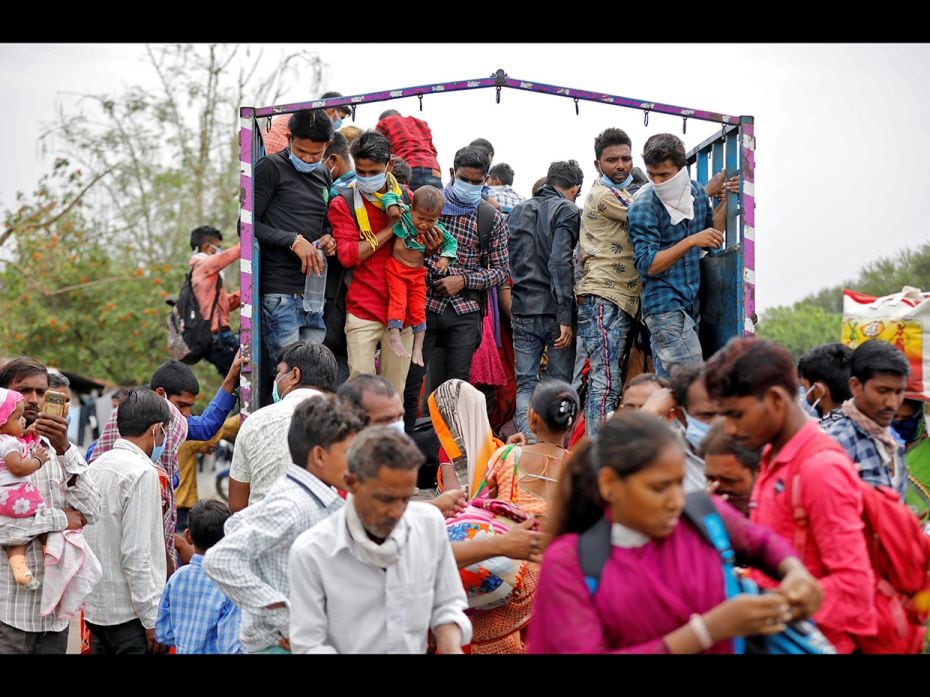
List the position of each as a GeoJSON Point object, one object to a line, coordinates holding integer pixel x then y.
{"type": "Point", "coordinates": [727, 277]}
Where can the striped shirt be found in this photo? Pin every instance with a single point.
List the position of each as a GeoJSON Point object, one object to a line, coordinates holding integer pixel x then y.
{"type": "Point", "coordinates": [250, 563]}
{"type": "Point", "coordinates": [195, 616]}
{"type": "Point", "coordinates": [19, 608]}
{"type": "Point", "coordinates": [129, 539]}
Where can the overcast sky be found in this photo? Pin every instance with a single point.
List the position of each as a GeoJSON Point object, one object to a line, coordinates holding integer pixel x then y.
{"type": "Point", "coordinates": [841, 153]}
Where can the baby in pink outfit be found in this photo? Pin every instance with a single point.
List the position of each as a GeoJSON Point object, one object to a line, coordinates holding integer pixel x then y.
{"type": "Point", "coordinates": [19, 497]}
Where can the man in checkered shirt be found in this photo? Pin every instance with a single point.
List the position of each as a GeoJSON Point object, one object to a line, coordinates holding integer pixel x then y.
{"type": "Point", "coordinates": [862, 425]}
{"type": "Point", "coordinates": [454, 314]}
{"type": "Point", "coordinates": [670, 222]}
{"type": "Point", "coordinates": [500, 179]}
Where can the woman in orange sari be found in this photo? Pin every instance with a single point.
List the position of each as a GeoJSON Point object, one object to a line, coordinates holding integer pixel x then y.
{"type": "Point", "coordinates": [526, 476]}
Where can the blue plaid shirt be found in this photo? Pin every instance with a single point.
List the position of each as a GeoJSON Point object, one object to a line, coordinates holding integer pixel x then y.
{"type": "Point", "coordinates": [860, 447]}
{"type": "Point", "coordinates": [651, 231]}
{"type": "Point", "coordinates": [195, 616]}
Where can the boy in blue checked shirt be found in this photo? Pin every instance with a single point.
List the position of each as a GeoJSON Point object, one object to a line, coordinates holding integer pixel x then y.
{"type": "Point", "coordinates": [195, 616]}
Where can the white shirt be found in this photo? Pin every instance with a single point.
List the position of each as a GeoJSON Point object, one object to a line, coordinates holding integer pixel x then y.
{"type": "Point", "coordinates": [250, 563]}
{"type": "Point", "coordinates": [128, 539]}
{"type": "Point", "coordinates": [18, 607]}
{"type": "Point", "coordinates": [261, 454]}
{"type": "Point", "coordinates": [340, 604]}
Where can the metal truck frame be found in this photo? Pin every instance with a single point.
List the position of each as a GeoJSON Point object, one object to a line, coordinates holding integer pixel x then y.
{"type": "Point", "coordinates": [727, 278]}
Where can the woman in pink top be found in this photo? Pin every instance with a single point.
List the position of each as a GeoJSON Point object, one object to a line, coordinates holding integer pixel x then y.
{"type": "Point", "coordinates": [662, 588]}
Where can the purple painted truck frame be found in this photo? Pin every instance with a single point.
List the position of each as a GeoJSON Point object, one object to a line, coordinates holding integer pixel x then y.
{"type": "Point", "coordinates": [734, 148]}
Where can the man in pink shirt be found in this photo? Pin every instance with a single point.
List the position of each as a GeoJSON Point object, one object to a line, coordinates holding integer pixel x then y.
{"type": "Point", "coordinates": [207, 263]}
{"type": "Point", "coordinates": [802, 469]}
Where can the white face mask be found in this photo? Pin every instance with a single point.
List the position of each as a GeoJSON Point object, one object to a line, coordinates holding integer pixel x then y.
{"type": "Point", "coordinates": [675, 195]}
{"type": "Point", "coordinates": [397, 426]}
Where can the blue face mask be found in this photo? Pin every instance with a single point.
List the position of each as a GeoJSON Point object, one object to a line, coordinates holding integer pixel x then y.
{"type": "Point", "coordinates": [606, 181]}
{"type": "Point", "coordinates": [696, 431]}
{"type": "Point", "coordinates": [301, 166]}
{"type": "Point", "coordinates": [157, 450]}
{"type": "Point", "coordinates": [275, 395]}
{"type": "Point", "coordinates": [369, 185]}
{"type": "Point", "coordinates": [907, 428]}
{"type": "Point", "coordinates": [465, 192]}
{"type": "Point", "coordinates": [337, 124]}
{"type": "Point", "coordinates": [809, 409]}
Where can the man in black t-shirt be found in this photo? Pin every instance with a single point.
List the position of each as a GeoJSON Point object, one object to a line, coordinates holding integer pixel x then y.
{"type": "Point", "coordinates": [291, 199]}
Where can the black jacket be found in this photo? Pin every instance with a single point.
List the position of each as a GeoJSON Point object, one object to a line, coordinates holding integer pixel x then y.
{"type": "Point", "coordinates": [543, 235]}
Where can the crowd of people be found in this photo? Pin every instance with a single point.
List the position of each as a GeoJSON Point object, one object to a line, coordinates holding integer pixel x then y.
{"type": "Point", "coordinates": [575, 506]}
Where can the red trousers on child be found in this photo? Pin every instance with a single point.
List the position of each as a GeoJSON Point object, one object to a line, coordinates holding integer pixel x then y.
{"type": "Point", "coordinates": [406, 296]}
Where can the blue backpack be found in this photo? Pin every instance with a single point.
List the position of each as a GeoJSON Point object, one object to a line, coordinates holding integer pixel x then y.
{"type": "Point", "coordinates": [799, 637]}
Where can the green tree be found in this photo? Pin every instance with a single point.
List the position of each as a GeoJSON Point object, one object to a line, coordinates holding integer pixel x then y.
{"type": "Point", "coordinates": [64, 300]}
{"type": "Point", "coordinates": [800, 327]}
{"type": "Point", "coordinates": [87, 260]}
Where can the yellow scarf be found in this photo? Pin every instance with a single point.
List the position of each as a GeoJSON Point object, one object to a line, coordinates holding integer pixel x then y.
{"type": "Point", "coordinates": [361, 215]}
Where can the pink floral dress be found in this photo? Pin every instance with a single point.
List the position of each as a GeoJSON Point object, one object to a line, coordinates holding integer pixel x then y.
{"type": "Point", "coordinates": [19, 497]}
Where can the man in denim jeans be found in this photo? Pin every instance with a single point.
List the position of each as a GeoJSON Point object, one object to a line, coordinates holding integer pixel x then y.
{"type": "Point", "coordinates": [543, 235]}
{"type": "Point", "coordinates": [608, 292]}
{"type": "Point", "coordinates": [671, 221]}
{"type": "Point", "coordinates": [291, 199]}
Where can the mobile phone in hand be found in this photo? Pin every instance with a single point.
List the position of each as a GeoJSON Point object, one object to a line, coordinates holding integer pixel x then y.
{"type": "Point", "coordinates": [55, 404]}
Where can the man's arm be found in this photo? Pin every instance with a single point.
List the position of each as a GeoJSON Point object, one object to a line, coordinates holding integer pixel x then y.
{"type": "Point", "coordinates": [267, 179]}
{"type": "Point", "coordinates": [208, 424]}
{"type": "Point", "coordinates": [240, 471]}
{"type": "Point", "coordinates": [351, 249]}
{"type": "Point", "coordinates": [648, 256]}
{"type": "Point", "coordinates": [520, 542]}
{"type": "Point", "coordinates": [309, 623]}
{"type": "Point", "coordinates": [239, 493]}
{"type": "Point", "coordinates": [229, 561]}
{"type": "Point", "coordinates": [214, 263]}
{"type": "Point", "coordinates": [565, 236]}
{"type": "Point", "coordinates": [142, 514]}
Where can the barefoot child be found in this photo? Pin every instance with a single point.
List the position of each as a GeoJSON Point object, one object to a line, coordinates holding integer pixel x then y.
{"type": "Point", "coordinates": [406, 277]}
{"type": "Point", "coordinates": [18, 496]}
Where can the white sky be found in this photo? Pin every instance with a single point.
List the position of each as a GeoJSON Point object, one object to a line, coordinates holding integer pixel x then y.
{"type": "Point", "coordinates": [841, 148]}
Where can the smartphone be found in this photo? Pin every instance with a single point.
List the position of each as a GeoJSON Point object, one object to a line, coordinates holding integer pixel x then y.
{"type": "Point", "coordinates": [55, 404]}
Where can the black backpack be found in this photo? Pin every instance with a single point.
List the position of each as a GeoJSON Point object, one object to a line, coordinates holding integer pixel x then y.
{"type": "Point", "coordinates": [189, 334]}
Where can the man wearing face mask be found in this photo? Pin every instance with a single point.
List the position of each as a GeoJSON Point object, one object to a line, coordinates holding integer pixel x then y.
{"type": "Point", "coordinates": [208, 281]}
{"type": "Point", "coordinates": [543, 235]}
{"type": "Point", "coordinates": [129, 538]}
{"type": "Point", "coordinates": [671, 221]}
{"type": "Point", "coordinates": [862, 425]}
{"type": "Point", "coordinates": [456, 299]}
{"type": "Point", "coordinates": [609, 287]}
{"type": "Point", "coordinates": [261, 455]}
{"type": "Point", "coordinates": [824, 375]}
{"type": "Point", "coordinates": [363, 224]}
{"type": "Point", "coordinates": [340, 165]}
{"type": "Point", "coordinates": [291, 198]}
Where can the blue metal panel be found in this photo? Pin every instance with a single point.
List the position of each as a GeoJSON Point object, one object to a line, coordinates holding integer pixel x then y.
{"type": "Point", "coordinates": [721, 299]}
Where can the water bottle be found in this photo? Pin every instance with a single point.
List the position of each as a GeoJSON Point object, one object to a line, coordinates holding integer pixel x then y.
{"type": "Point", "coordinates": [315, 288]}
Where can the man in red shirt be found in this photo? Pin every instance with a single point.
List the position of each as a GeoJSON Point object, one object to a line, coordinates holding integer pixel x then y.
{"type": "Point", "coordinates": [755, 385]}
{"type": "Point", "coordinates": [411, 140]}
{"type": "Point", "coordinates": [364, 241]}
